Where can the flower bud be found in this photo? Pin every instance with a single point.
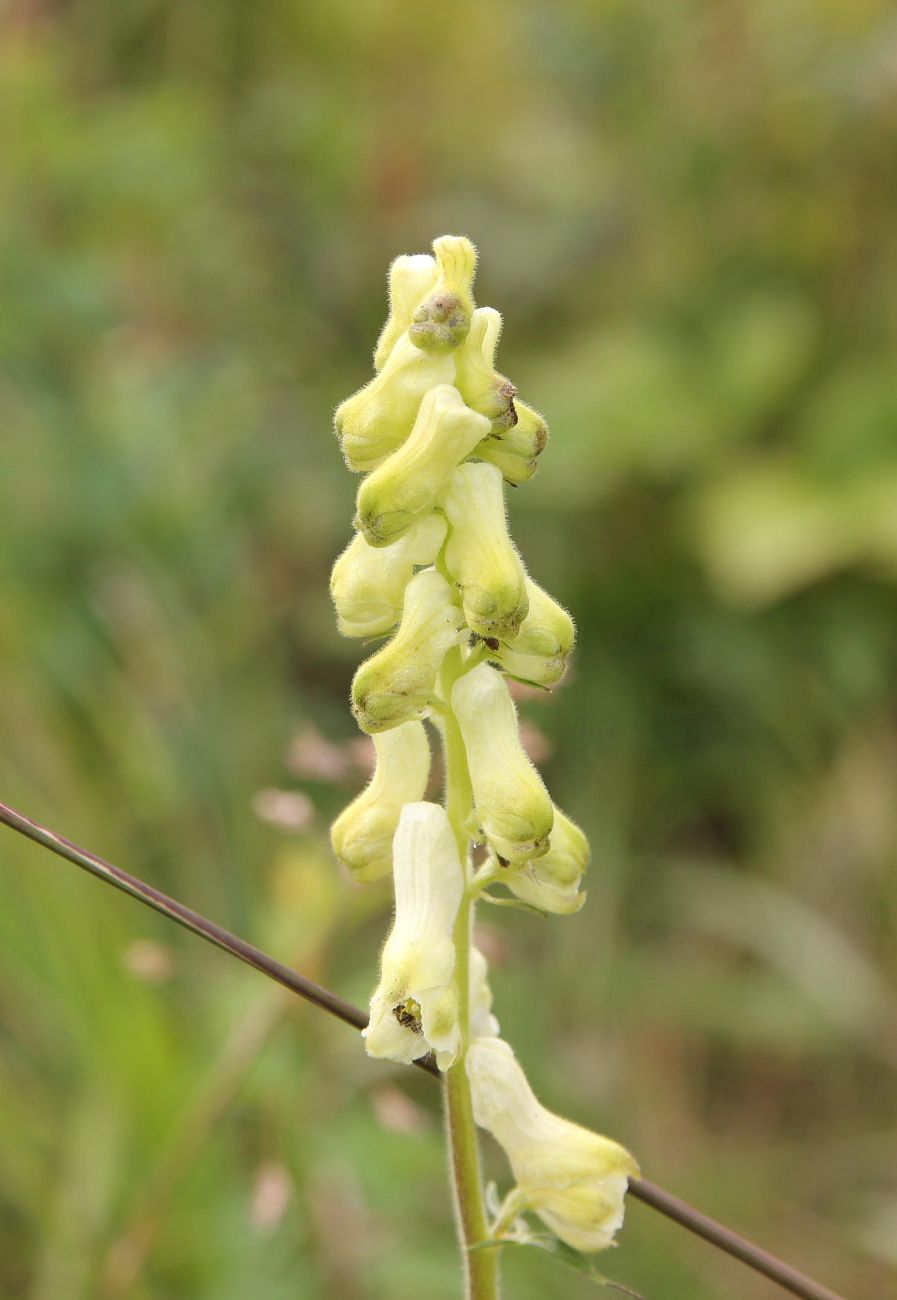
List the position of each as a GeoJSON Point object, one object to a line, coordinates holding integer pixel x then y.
{"type": "Point", "coordinates": [368, 584]}
{"type": "Point", "coordinates": [479, 384]}
{"type": "Point", "coordinates": [398, 683]}
{"type": "Point", "coordinates": [480, 555]}
{"type": "Point", "coordinates": [414, 1008]}
{"type": "Point", "coordinates": [363, 833]}
{"type": "Point", "coordinates": [515, 449]}
{"type": "Point", "coordinates": [375, 421]}
{"type": "Point", "coordinates": [511, 804]}
{"type": "Point", "coordinates": [573, 1179]}
{"type": "Point", "coordinates": [441, 322]}
{"type": "Point", "coordinates": [551, 883]}
{"type": "Point", "coordinates": [407, 485]}
{"type": "Point", "coordinates": [539, 652]}
{"type": "Point", "coordinates": [410, 279]}
{"type": "Point", "coordinates": [482, 1022]}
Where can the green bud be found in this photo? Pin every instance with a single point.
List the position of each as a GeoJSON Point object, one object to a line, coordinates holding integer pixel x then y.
{"type": "Point", "coordinates": [410, 279]}
{"type": "Point", "coordinates": [552, 882]}
{"type": "Point", "coordinates": [398, 683]}
{"type": "Point", "coordinates": [511, 804]}
{"type": "Point", "coordinates": [362, 835]}
{"type": "Point", "coordinates": [441, 322]}
{"type": "Point", "coordinates": [375, 421]}
{"type": "Point", "coordinates": [480, 555]}
{"type": "Point", "coordinates": [478, 382]}
{"type": "Point", "coordinates": [539, 653]}
{"type": "Point", "coordinates": [406, 486]}
{"type": "Point", "coordinates": [516, 449]}
{"type": "Point", "coordinates": [368, 584]}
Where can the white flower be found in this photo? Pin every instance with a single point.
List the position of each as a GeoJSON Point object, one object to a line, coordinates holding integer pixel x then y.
{"type": "Point", "coordinates": [368, 584]}
{"type": "Point", "coordinates": [363, 833]}
{"type": "Point", "coordinates": [482, 1022]}
{"type": "Point", "coordinates": [480, 555]}
{"type": "Point", "coordinates": [539, 652]}
{"type": "Point", "coordinates": [398, 683]}
{"type": "Point", "coordinates": [573, 1179]}
{"type": "Point", "coordinates": [406, 486]}
{"type": "Point", "coordinates": [375, 421]}
{"type": "Point", "coordinates": [414, 1009]}
{"type": "Point", "coordinates": [510, 802]}
{"type": "Point", "coordinates": [552, 882]}
{"type": "Point", "coordinates": [411, 278]}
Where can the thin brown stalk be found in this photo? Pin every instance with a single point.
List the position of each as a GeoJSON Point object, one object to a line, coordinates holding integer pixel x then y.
{"type": "Point", "coordinates": [761, 1261]}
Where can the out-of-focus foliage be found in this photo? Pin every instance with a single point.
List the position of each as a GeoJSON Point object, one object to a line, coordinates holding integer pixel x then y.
{"type": "Point", "coordinates": [687, 213]}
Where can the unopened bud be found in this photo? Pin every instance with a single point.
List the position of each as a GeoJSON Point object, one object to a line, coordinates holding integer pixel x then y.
{"type": "Point", "coordinates": [478, 382]}
{"type": "Point", "coordinates": [539, 652]}
{"type": "Point", "coordinates": [480, 555]}
{"type": "Point", "coordinates": [368, 584]}
{"type": "Point", "coordinates": [375, 421]}
{"type": "Point", "coordinates": [441, 322]}
{"type": "Point", "coordinates": [407, 485]}
{"type": "Point", "coordinates": [511, 804]}
{"type": "Point", "coordinates": [551, 883]}
{"type": "Point", "coordinates": [398, 683]}
{"type": "Point", "coordinates": [362, 835]}
{"type": "Point", "coordinates": [516, 449]}
{"type": "Point", "coordinates": [411, 277]}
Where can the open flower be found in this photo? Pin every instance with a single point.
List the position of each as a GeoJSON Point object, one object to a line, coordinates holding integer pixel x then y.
{"type": "Point", "coordinates": [480, 555]}
{"type": "Point", "coordinates": [411, 278]}
{"type": "Point", "coordinates": [515, 449]}
{"type": "Point", "coordinates": [398, 683]}
{"type": "Point", "coordinates": [363, 833]}
{"type": "Point", "coordinates": [368, 584]}
{"type": "Point", "coordinates": [406, 486]}
{"type": "Point", "coordinates": [440, 323]}
{"type": "Point", "coordinates": [375, 421]}
{"type": "Point", "coordinates": [510, 802]}
{"type": "Point", "coordinates": [551, 883]}
{"type": "Point", "coordinates": [414, 1008]}
{"type": "Point", "coordinates": [479, 383]}
{"type": "Point", "coordinates": [573, 1179]}
{"type": "Point", "coordinates": [539, 651]}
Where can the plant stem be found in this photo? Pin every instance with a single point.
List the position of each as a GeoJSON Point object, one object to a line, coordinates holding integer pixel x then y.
{"type": "Point", "coordinates": [481, 1266]}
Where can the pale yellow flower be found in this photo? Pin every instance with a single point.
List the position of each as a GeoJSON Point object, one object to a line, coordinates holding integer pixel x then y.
{"type": "Point", "coordinates": [368, 584]}
{"type": "Point", "coordinates": [411, 279]}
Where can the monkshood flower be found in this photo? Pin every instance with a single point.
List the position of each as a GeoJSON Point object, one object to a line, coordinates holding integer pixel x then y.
{"type": "Point", "coordinates": [368, 584]}
{"type": "Point", "coordinates": [411, 279]}
{"type": "Point", "coordinates": [478, 382]}
{"type": "Point", "coordinates": [480, 555]}
{"type": "Point", "coordinates": [406, 486]}
{"type": "Point", "coordinates": [551, 883]}
{"type": "Point", "coordinates": [398, 683]}
{"type": "Point", "coordinates": [414, 1008]}
{"type": "Point", "coordinates": [573, 1179]}
{"type": "Point", "coordinates": [516, 449]}
{"type": "Point", "coordinates": [440, 323]}
{"type": "Point", "coordinates": [511, 805]}
{"type": "Point", "coordinates": [375, 421]}
{"type": "Point", "coordinates": [482, 1022]}
{"type": "Point", "coordinates": [363, 833]}
{"type": "Point", "coordinates": [539, 651]}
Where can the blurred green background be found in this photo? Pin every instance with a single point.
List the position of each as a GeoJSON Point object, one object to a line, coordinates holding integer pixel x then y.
{"type": "Point", "coordinates": [688, 215]}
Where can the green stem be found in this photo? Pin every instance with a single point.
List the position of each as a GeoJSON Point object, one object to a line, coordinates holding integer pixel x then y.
{"type": "Point", "coordinates": [481, 1266]}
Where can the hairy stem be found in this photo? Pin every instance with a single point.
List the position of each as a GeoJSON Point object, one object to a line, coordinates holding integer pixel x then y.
{"type": "Point", "coordinates": [481, 1266]}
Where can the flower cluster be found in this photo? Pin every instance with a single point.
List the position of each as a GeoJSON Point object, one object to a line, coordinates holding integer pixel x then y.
{"type": "Point", "coordinates": [436, 434]}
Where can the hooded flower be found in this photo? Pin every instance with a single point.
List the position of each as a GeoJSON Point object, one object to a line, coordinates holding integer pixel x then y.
{"type": "Point", "coordinates": [480, 555]}
{"type": "Point", "coordinates": [481, 386]}
{"type": "Point", "coordinates": [411, 278]}
{"type": "Point", "coordinates": [539, 651]}
{"type": "Point", "coordinates": [406, 486]}
{"type": "Point", "coordinates": [368, 584]}
{"type": "Point", "coordinates": [573, 1179]}
{"type": "Point", "coordinates": [414, 1008]}
{"type": "Point", "coordinates": [441, 321]}
{"type": "Point", "coordinates": [398, 683]}
{"type": "Point", "coordinates": [515, 449]}
{"type": "Point", "coordinates": [510, 802]}
{"type": "Point", "coordinates": [551, 883]}
{"type": "Point", "coordinates": [375, 421]}
{"type": "Point", "coordinates": [363, 833]}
